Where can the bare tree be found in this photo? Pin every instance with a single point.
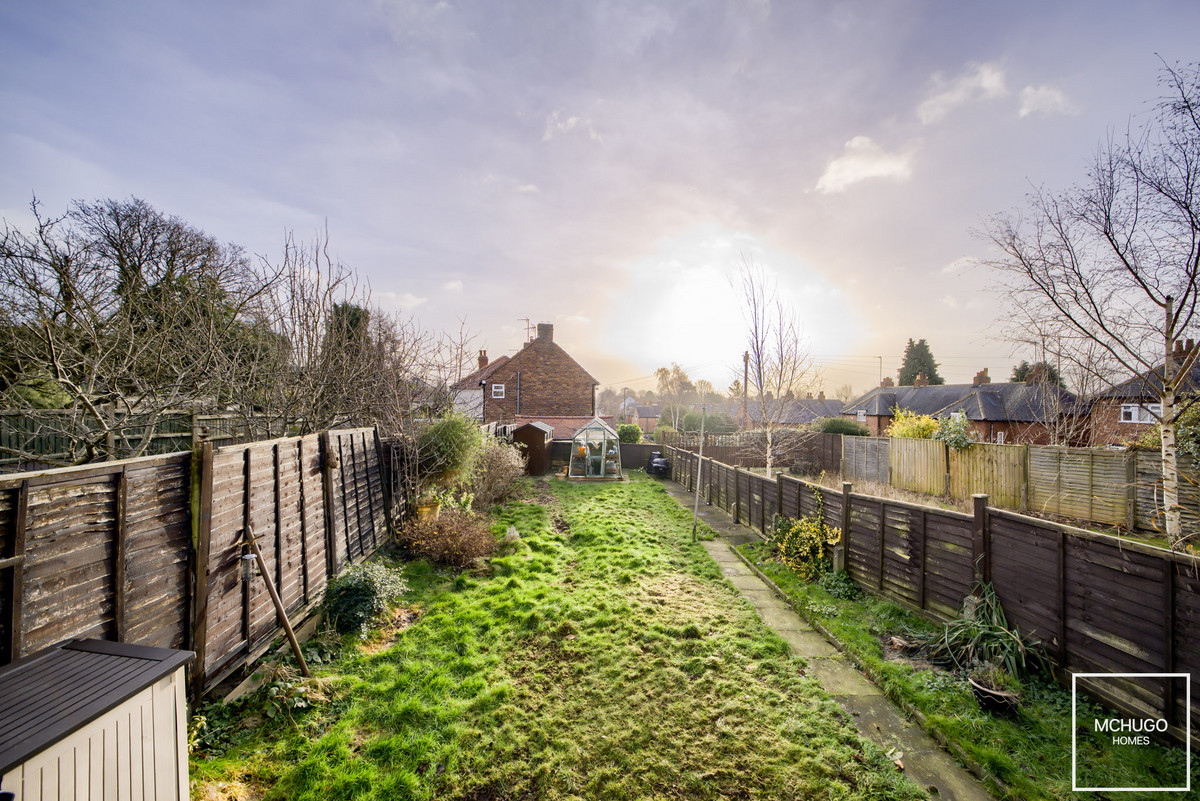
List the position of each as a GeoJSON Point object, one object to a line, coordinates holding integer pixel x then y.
{"type": "Point", "coordinates": [323, 356]}
{"type": "Point", "coordinates": [674, 388]}
{"type": "Point", "coordinates": [114, 315]}
{"type": "Point", "coordinates": [1114, 263]}
{"type": "Point", "coordinates": [780, 363]}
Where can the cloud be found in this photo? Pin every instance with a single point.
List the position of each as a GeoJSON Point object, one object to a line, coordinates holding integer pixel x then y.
{"type": "Point", "coordinates": [453, 286]}
{"type": "Point", "coordinates": [960, 265]}
{"type": "Point", "coordinates": [980, 82]}
{"type": "Point", "coordinates": [528, 189]}
{"type": "Point", "coordinates": [559, 123]}
{"type": "Point", "coordinates": [1044, 99]}
{"type": "Point", "coordinates": [863, 159]}
{"type": "Point", "coordinates": [402, 300]}
{"type": "Point", "coordinates": [950, 300]}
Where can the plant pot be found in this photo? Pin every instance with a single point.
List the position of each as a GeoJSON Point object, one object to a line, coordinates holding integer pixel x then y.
{"type": "Point", "coordinates": [428, 510]}
{"type": "Point", "coordinates": [998, 702]}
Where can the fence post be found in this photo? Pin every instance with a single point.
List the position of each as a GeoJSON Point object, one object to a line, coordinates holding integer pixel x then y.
{"type": "Point", "coordinates": [1025, 478]}
{"type": "Point", "coordinates": [15, 630]}
{"type": "Point", "coordinates": [327, 468]}
{"type": "Point", "coordinates": [121, 552]}
{"type": "Point", "coordinates": [981, 551]}
{"type": "Point", "coordinates": [1130, 489]}
{"type": "Point", "coordinates": [202, 495]}
{"type": "Point", "coordinates": [779, 494]}
{"type": "Point", "coordinates": [1170, 711]}
{"type": "Point", "coordinates": [737, 496]}
{"type": "Point", "coordinates": [839, 550]}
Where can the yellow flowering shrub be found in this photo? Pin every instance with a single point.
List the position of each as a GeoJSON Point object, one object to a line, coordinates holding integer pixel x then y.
{"type": "Point", "coordinates": [804, 545]}
{"type": "Point", "coordinates": [912, 425]}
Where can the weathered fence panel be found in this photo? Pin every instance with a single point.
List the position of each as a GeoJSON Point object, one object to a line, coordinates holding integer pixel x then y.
{"type": "Point", "coordinates": [919, 465]}
{"type": "Point", "coordinates": [126, 551]}
{"type": "Point", "coordinates": [866, 459]}
{"type": "Point", "coordinates": [997, 471]}
{"type": "Point", "coordinates": [97, 551]}
{"type": "Point", "coordinates": [1084, 483]}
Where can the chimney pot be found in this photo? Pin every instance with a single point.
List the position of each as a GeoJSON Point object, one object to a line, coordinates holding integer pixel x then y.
{"type": "Point", "coordinates": [1191, 343]}
{"type": "Point", "coordinates": [887, 382]}
{"type": "Point", "coordinates": [821, 395]}
{"type": "Point", "coordinates": [920, 380]}
{"type": "Point", "coordinates": [545, 331]}
{"type": "Point", "coordinates": [981, 378]}
{"type": "Point", "coordinates": [483, 359]}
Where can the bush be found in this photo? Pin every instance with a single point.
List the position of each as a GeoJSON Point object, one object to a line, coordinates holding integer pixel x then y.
{"type": "Point", "coordinates": [446, 448]}
{"type": "Point", "coordinates": [455, 539]}
{"type": "Point", "coordinates": [362, 594]}
{"type": "Point", "coordinates": [840, 425]}
{"type": "Point", "coordinates": [803, 545]}
{"type": "Point", "coordinates": [499, 471]}
{"type": "Point", "coordinates": [955, 432]}
{"type": "Point", "coordinates": [629, 432]}
{"type": "Point", "coordinates": [661, 432]}
{"type": "Point", "coordinates": [912, 425]}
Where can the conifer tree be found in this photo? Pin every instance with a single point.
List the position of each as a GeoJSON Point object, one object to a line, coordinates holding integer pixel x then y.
{"type": "Point", "coordinates": [918, 358]}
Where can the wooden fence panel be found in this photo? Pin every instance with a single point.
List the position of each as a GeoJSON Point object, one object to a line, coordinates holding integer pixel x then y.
{"type": "Point", "coordinates": [997, 471]}
{"type": "Point", "coordinates": [918, 465]}
{"type": "Point", "coordinates": [227, 602]}
{"type": "Point", "coordinates": [1084, 483]}
{"type": "Point", "coordinates": [1147, 492]}
{"type": "Point", "coordinates": [1026, 573]}
{"type": "Point", "coordinates": [158, 528]}
{"type": "Point", "coordinates": [866, 459]}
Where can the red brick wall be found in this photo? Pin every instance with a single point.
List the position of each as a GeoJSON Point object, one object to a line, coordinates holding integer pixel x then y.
{"type": "Point", "coordinates": [1107, 428]}
{"type": "Point", "coordinates": [552, 384]}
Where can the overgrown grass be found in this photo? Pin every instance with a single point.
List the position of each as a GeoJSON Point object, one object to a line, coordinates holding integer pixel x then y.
{"type": "Point", "coordinates": [604, 658]}
{"type": "Point", "coordinates": [1030, 753]}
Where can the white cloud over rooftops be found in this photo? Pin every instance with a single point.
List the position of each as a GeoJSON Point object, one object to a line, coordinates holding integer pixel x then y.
{"type": "Point", "coordinates": [1045, 100]}
{"type": "Point", "coordinates": [979, 82]}
{"type": "Point", "coordinates": [861, 160]}
{"type": "Point", "coordinates": [559, 122]}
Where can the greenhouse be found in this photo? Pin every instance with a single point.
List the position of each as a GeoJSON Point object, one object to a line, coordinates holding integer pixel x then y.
{"type": "Point", "coordinates": [595, 452]}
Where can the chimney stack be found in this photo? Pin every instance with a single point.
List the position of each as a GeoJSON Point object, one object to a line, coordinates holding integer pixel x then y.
{"type": "Point", "coordinates": [483, 359]}
{"type": "Point", "coordinates": [920, 380]}
{"type": "Point", "coordinates": [821, 395]}
{"type": "Point", "coordinates": [981, 378]}
{"type": "Point", "coordinates": [546, 331]}
{"type": "Point", "coordinates": [887, 382]}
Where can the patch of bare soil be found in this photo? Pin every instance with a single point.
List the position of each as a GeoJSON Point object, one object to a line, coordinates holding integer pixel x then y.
{"type": "Point", "coordinates": [386, 634]}
{"type": "Point", "coordinates": [682, 598]}
{"type": "Point", "coordinates": [227, 791]}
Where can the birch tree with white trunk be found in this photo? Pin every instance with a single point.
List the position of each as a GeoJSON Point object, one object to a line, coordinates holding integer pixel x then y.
{"type": "Point", "coordinates": [1113, 264]}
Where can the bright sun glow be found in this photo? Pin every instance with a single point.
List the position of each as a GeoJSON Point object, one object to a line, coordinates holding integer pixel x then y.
{"type": "Point", "coordinates": [685, 305]}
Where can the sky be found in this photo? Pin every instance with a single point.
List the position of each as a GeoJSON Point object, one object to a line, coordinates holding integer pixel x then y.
{"type": "Point", "coordinates": [603, 166]}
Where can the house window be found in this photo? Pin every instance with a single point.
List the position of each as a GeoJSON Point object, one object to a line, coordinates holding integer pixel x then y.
{"type": "Point", "coordinates": [1140, 412]}
{"type": "Point", "coordinates": [862, 415]}
{"type": "Point", "coordinates": [497, 390]}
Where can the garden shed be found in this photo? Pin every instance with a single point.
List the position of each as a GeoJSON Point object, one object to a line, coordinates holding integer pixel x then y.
{"type": "Point", "coordinates": [595, 452]}
{"type": "Point", "coordinates": [534, 440]}
{"type": "Point", "coordinates": [94, 719]}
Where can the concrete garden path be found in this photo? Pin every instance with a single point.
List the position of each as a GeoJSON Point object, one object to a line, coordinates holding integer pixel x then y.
{"type": "Point", "coordinates": [876, 717]}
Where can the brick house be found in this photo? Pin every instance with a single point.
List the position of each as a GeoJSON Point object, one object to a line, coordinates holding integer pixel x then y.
{"type": "Point", "coordinates": [1036, 412]}
{"type": "Point", "coordinates": [791, 411]}
{"type": "Point", "coordinates": [1128, 410]}
{"type": "Point", "coordinates": [539, 381]}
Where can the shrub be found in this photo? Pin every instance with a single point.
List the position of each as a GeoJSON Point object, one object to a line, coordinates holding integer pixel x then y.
{"type": "Point", "coordinates": [455, 539]}
{"type": "Point", "coordinates": [361, 594]}
{"type": "Point", "coordinates": [661, 432]}
{"type": "Point", "coordinates": [499, 471]}
{"type": "Point", "coordinates": [629, 432]}
{"type": "Point", "coordinates": [955, 432]}
{"type": "Point", "coordinates": [912, 425]}
{"type": "Point", "coordinates": [840, 425]}
{"type": "Point", "coordinates": [982, 635]}
{"type": "Point", "coordinates": [803, 544]}
{"type": "Point", "coordinates": [446, 448]}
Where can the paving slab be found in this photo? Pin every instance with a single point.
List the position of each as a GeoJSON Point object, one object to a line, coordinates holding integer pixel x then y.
{"type": "Point", "coordinates": [841, 679]}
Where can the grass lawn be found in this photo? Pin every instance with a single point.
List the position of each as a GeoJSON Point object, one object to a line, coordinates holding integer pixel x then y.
{"type": "Point", "coordinates": [605, 658]}
{"type": "Point", "coordinates": [1031, 753]}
